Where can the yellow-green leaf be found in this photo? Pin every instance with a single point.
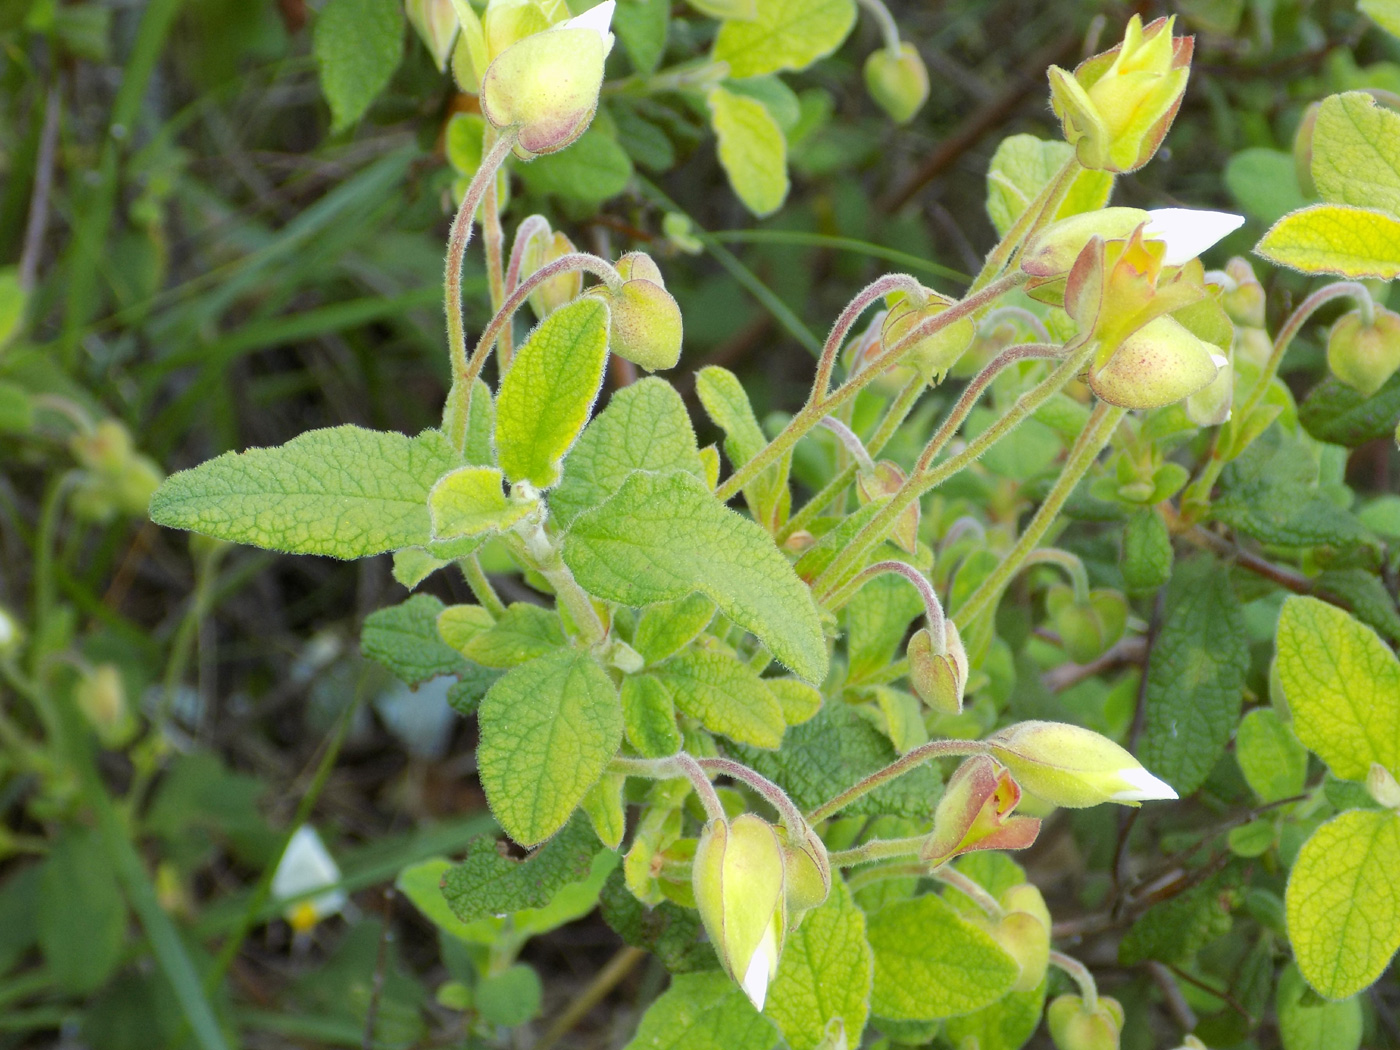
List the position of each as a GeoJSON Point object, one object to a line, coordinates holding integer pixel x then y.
{"type": "Point", "coordinates": [548, 730]}
{"type": "Point", "coordinates": [1343, 687]}
{"type": "Point", "coordinates": [1307, 1023]}
{"type": "Point", "coordinates": [1343, 901]}
{"type": "Point", "coordinates": [783, 34]}
{"type": "Point", "coordinates": [1385, 13]}
{"type": "Point", "coordinates": [752, 149]}
{"type": "Point", "coordinates": [1274, 764]}
{"type": "Point", "coordinates": [1336, 238]}
{"type": "Point", "coordinates": [548, 391]}
{"type": "Point", "coordinates": [723, 694]}
{"type": "Point", "coordinates": [1022, 166]}
{"type": "Point", "coordinates": [1356, 152]}
{"type": "Point", "coordinates": [469, 502]}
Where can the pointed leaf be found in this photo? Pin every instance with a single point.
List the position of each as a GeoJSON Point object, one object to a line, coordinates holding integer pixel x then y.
{"type": "Point", "coordinates": [783, 34]}
{"type": "Point", "coordinates": [1336, 238]}
{"type": "Point", "coordinates": [752, 149]}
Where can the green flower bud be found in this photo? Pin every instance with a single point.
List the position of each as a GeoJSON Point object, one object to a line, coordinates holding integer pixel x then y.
{"type": "Point", "coordinates": [1073, 767]}
{"type": "Point", "coordinates": [934, 354]}
{"type": "Point", "coordinates": [897, 81]}
{"type": "Point", "coordinates": [975, 813]}
{"type": "Point", "coordinates": [938, 673]}
{"type": "Point", "coordinates": [1087, 630]}
{"type": "Point", "coordinates": [808, 871]}
{"type": "Point", "coordinates": [546, 85]}
{"type": "Point", "coordinates": [1382, 786]}
{"type": "Point", "coordinates": [646, 326]}
{"type": "Point", "coordinates": [1024, 932]}
{"type": "Point", "coordinates": [1253, 345]}
{"type": "Point", "coordinates": [639, 266]}
{"type": "Point", "coordinates": [435, 21]}
{"type": "Point", "coordinates": [1211, 405]}
{"type": "Point", "coordinates": [885, 480]}
{"type": "Point", "coordinates": [1245, 301]}
{"type": "Point", "coordinates": [106, 449]}
{"type": "Point", "coordinates": [1116, 107]}
{"type": "Point", "coordinates": [1072, 1027]}
{"type": "Point", "coordinates": [101, 697]}
{"type": "Point", "coordinates": [558, 290]}
{"type": "Point", "coordinates": [1158, 364]}
{"type": "Point", "coordinates": [739, 877]}
{"type": "Point", "coordinates": [1364, 357]}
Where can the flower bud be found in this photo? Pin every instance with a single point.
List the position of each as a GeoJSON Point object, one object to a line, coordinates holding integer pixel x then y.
{"type": "Point", "coordinates": [975, 813]}
{"type": "Point", "coordinates": [107, 448]}
{"type": "Point", "coordinates": [1382, 786]}
{"type": "Point", "coordinates": [808, 871]}
{"type": "Point", "coordinates": [546, 85]}
{"type": "Point", "coordinates": [1072, 1027]}
{"type": "Point", "coordinates": [934, 354]}
{"type": "Point", "coordinates": [645, 326]}
{"type": "Point", "coordinates": [558, 290]}
{"type": "Point", "coordinates": [435, 21]}
{"type": "Point", "coordinates": [897, 81]}
{"type": "Point", "coordinates": [740, 883]}
{"type": "Point", "coordinates": [1091, 629]}
{"type": "Point", "coordinates": [639, 266]}
{"type": "Point", "coordinates": [101, 697]}
{"type": "Point", "coordinates": [1159, 364]}
{"type": "Point", "coordinates": [306, 867]}
{"type": "Point", "coordinates": [1245, 301]}
{"type": "Point", "coordinates": [938, 673]}
{"type": "Point", "coordinates": [1364, 357]}
{"type": "Point", "coordinates": [1024, 933]}
{"type": "Point", "coordinates": [1073, 767]}
{"type": "Point", "coordinates": [885, 480]}
{"type": "Point", "coordinates": [1211, 405]}
{"type": "Point", "coordinates": [1116, 107]}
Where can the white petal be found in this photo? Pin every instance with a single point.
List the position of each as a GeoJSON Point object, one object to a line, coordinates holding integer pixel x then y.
{"type": "Point", "coordinates": [1220, 360]}
{"type": "Point", "coordinates": [1144, 786]}
{"type": "Point", "coordinates": [598, 18]}
{"type": "Point", "coordinates": [762, 965]}
{"type": "Point", "coordinates": [1189, 231]}
{"type": "Point", "coordinates": [307, 865]}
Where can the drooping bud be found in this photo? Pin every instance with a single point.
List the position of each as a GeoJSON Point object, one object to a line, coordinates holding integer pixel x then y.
{"type": "Point", "coordinates": [975, 813]}
{"type": "Point", "coordinates": [305, 868]}
{"type": "Point", "coordinates": [1116, 107]}
{"type": "Point", "coordinates": [117, 479]}
{"type": "Point", "coordinates": [646, 326]}
{"type": "Point", "coordinates": [546, 85]}
{"type": "Point", "coordinates": [1158, 364]}
{"type": "Point", "coordinates": [1382, 786]}
{"type": "Point", "coordinates": [101, 697]}
{"type": "Point", "coordinates": [897, 81]}
{"type": "Point", "coordinates": [934, 354]}
{"type": "Point", "coordinates": [1024, 932]}
{"type": "Point", "coordinates": [1073, 767]}
{"type": "Point", "coordinates": [808, 870]}
{"type": "Point", "coordinates": [1090, 629]}
{"type": "Point", "coordinates": [1072, 1027]}
{"type": "Point", "coordinates": [1245, 301]}
{"type": "Point", "coordinates": [1361, 356]}
{"type": "Point", "coordinates": [885, 480]}
{"type": "Point", "coordinates": [435, 21]}
{"type": "Point", "coordinates": [559, 289]}
{"type": "Point", "coordinates": [1211, 405]}
{"type": "Point", "coordinates": [938, 673]}
{"type": "Point", "coordinates": [739, 877]}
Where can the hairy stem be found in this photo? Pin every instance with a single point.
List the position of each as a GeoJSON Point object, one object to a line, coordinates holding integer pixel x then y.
{"type": "Point", "coordinates": [1037, 215]}
{"type": "Point", "coordinates": [971, 889]}
{"type": "Point", "coordinates": [1070, 563]}
{"type": "Point", "coordinates": [677, 765]}
{"type": "Point", "coordinates": [889, 31]}
{"type": "Point", "coordinates": [1088, 990]}
{"type": "Point", "coordinates": [878, 849]}
{"type": "Point", "coordinates": [480, 585]}
{"type": "Point", "coordinates": [853, 445]}
{"type": "Point", "coordinates": [918, 756]}
{"type": "Point", "coordinates": [774, 795]}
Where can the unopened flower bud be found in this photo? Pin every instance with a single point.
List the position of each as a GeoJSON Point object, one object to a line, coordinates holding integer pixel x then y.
{"type": "Point", "coordinates": [559, 289]}
{"type": "Point", "coordinates": [546, 85]}
{"type": "Point", "coordinates": [1116, 107]}
{"type": "Point", "coordinates": [1072, 1027]}
{"type": "Point", "coordinates": [885, 480]}
{"type": "Point", "coordinates": [976, 812]}
{"type": "Point", "coordinates": [808, 870]}
{"type": "Point", "coordinates": [1024, 933]}
{"type": "Point", "coordinates": [1253, 345]}
{"type": "Point", "coordinates": [897, 81]}
{"type": "Point", "coordinates": [106, 448]}
{"type": "Point", "coordinates": [639, 266]}
{"type": "Point", "coordinates": [1090, 629]}
{"type": "Point", "coordinates": [101, 697]}
{"type": "Point", "coordinates": [934, 354]}
{"type": "Point", "coordinates": [305, 868]}
{"type": "Point", "coordinates": [1361, 356]}
{"type": "Point", "coordinates": [435, 21]}
{"type": "Point", "coordinates": [646, 326]}
{"type": "Point", "coordinates": [938, 673]}
{"type": "Point", "coordinates": [1245, 301]}
{"type": "Point", "coordinates": [1211, 405]}
{"type": "Point", "coordinates": [1382, 786]}
{"type": "Point", "coordinates": [1159, 364]}
{"type": "Point", "coordinates": [740, 888]}
{"type": "Point", "coordinates": [1073, 767]}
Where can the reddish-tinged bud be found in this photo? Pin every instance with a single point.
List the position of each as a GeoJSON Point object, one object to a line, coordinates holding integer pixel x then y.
{"type": "Point", "coordinates": [885, 480]}
{"type": "Point", "coordinates": [938, 673]}
{"type": "Point", "coordinates": [975, 813]}
{"type": "Point", "coordinates": [934, 354]}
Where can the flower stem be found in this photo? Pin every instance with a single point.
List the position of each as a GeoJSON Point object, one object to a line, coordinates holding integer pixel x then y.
{"type": "Point", "coordinates": [679, 764]}
{"type": "Point", "coordinates": [775, 796]}
{"type": "Point", "coordinates": [878, 849]}
{"type": "Point", "coordinates": [933, 608]}
{"type": "Point", "coordinates": [494, 238]}
{"type": "Point", "coordinates": [1038, 214]}
{"type": "Point", "coordinates": [1088, 990]}
{"type": "Point", "coordinates": [848, 438]}
{"type": "Point", "coordinates": [900, 766]}
{"type": "Point", "coordinates": [889, 31]}
{"type": "Point", "coordinates": [480, 585]}
{"type": "Point", "coordinates": [969, 888]}
{"type": "Point", "coordinates": [1070, 563]}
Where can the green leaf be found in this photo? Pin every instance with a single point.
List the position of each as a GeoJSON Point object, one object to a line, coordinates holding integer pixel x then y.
{"type": "Point", "coordinates": [1147, 552]}
{"type": "Point", "coordinates": [80, 913]}
{"type": "Point", "coordinates": [1343, 901]}
{"type": "Point", "coordinates": [1023, 165]}
{"type": "Point", "coordinates": [404, 638]}
{"type": "Point", "coordinates": [1274, 764]}
{"type": "Point", "coordinates": [727, 403]}
{"type": "Point", "coordinates": [1306, 1024]}
{"type": "Point", "coordinates": [780, 100]}
{"type": "Point", "coordinates": [664, 536]}
{"type": "Point", "coordinates": [509, 997]}
{"type": "Point", "coordinates": [1336, 238]}
{"type": "Point", "coordinates": [1264, 182]}
{"type": "Point", "coordinates": [668, 627]}
{"type": "Point", "coordinates": [783, 34]}
{"type": "Point", "coordinates": [703, 1011]}
{"type": "Point", "coordinates": [1341, 415]}
{"type": "Point", "coordinates": [641, 26]}
{"type": "Point", "coordinates": [607, 808]}
{"type": "Point", "coordinates": [930, 963]}
{"type": "Point", "coordinates": [723, 694]}
{"type": "Point", "coordinates": [523, 633]}
{"type": "Point", "coordinates": [824, 974]}
{"type": "Point", "coordinates": [1174, 930]}
{"type": "Point", "coordinates": [413, 565]}
{"type": "Point", "coordinates": [1343, 688]}
{"type": "Point", "coordinates": [16, 409]}
{"type": "Point", "coordinates": [829, 753]}
{"type": "Point", "coordinates": [1195, 676]}
{"type": "Point", "coordinates": [12, 303]}
{"type": "Point", "coordinates": [668, 931]}
{"type": "Point", "coordinates": [644, 427]}
{"type": "Point", "coordinates": [549, 389]}
{"type": "Point", "coordinates": [1366, 595]}
{"type": "Point", "coordinates": [593, 169]}
{"type": "Point", "coordinates": [469, 502]}
{"type": "Point", "coordinates": [358, 45]}
{"type": "Point", "coordinates": [877, 619]}
{"type": "Point", "coordinates": [488, 882]}
{"type": "Point", "coordinates": [649, 717]}
{"type": "Point", "coordinates": [343, 492]}
{"type": "Point", "coordinates": [752, 149]}
{"type": "Point", "coordinates": [1007, 1024]}
{"type": "Point", "coordinates": [798, 700]}
{"type": "Point", "coordinates": [548, 730]}
{"type": "Point", "coordinates": [1356, 152]}
{"type": "Point", "coordinates": [1386, 14]}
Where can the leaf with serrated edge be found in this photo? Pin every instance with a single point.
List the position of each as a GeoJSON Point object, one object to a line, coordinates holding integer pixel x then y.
{"type": "Point", "coordinates": [549, 389]}
{"type": "Point", "coordinates": [1343, 687]}
{"type": "Point", "coordinates": [1336, 238]}
{"type": "Point", "coordinates": [723, 694]}
{"type": "Point", "coordinates": [345, 492]}
{"type": "Point", "coordinates": [783, 34]}
{"type": "Point", "coordinates": [664, 536]}
{"type": "Point", "coordinates": [930, 963]}
{"type": "Point", "coordinates": [824, 974]}
{"type": "Point", "coordinates": [1343, 901]}
{"type": "Point", "coordinates": [404, 638]}
{"type": "Point", "coordinates": [548, 730]}
{"type": "Point", "coordinates": [469, 501]}
{"type": "Point", "coordinates": [703, 1011]}
{"type": "Point", "coordinates": [487, 882]}
{"type": "Point", "coordinates": [522, 633]}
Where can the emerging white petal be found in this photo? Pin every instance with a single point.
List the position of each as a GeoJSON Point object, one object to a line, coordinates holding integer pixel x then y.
{"type": "Point", "coordinates": [1143, 786]}
{"type": "Point", "coordinates": [1220, 360]}
{"type": "Point", "coordinates": [596, 18]}
{"type": "Point", "coordinates": [762, 966]}
{"type": "Point", "coordinates": [306, 866]}
{"type": "Point", "coordinates": [1189, 231]}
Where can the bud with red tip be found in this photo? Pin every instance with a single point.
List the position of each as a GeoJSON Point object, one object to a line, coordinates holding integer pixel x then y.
{"type": "Point", "coordinates": [938, 672]}
{"type": "Point", "coordinates": [646, 326]}
{"type": "Point", "coordinates": [976, 812]}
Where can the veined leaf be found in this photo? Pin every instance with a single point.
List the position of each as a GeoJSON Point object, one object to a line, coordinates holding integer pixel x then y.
{"type": "Point", "coordinates": [523, 633]}
{"type": "Point", "coordinates": [703, 1011]}
{"type": "Point", "coordinates": [1007, 1024]}
{"type": "Point", "coordinates": [752, 149]}
{"type": "Point", "coordinates": [404, 638]}
{"type": "Point", "coordinates": [358, 45]}
{"type": "Point", "coordinates": [783, 34]}
{"type": "Point", "coordinates": [1022, 166]}
{"type": "Point", "coordinates": [548, 730]}
{"type": "Point", "coordinates": [344, 491]}
{"type": "Point", "coordinates": [727, 404]}
{"type": "Point", "coordinates": [1274, 764]}
{"type": "Point", "coordinates": [723, 694]}
{"type": "Point", "coordinates": [664, 536]}
{"type": "Point", "coordinates": [668, 627]}
{"type": "Point", "coordinates": [1304, 1023]}
{"type": "Point", "coordinates": [469, 502]}
{"type": "Point", "coordinates": [1356, 152]}
{"type": "Point", "coordinates": [489, 883]}
{"type": "Point", "coordinates": [1336, 238]}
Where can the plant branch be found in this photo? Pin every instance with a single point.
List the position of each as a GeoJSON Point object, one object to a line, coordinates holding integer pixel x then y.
{"type": "Point", "coordinates": [771, 792]}
{"type": "Point", "coordinates": [918, 756]}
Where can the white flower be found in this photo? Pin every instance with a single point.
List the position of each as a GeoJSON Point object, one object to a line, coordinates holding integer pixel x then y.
{"type": "Point", "coordinates": [1142, 786]}
{"type": "Point", "coordinates": [1189, 231]}
{"type": "Point", "coordinates": [762, 966]}
{"type": "Point", "coordinates": [596, 18]}
{"type": "Point", "coordinates": [305, 867]}
{"type": "Point", "coordinates": [9, 632]}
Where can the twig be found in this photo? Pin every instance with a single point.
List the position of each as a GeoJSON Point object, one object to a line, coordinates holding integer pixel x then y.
{"type": "Point", "coordinates": [1177, 1005]}
{"type": "Point", "coordinates": [1220, 993]}
{"type": "Point", "coordinates": [1289, 579]}
{"type": "Point", "coordinates": [618, 967]}
{"type": "Point", "coordinates": [1131, 650]}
